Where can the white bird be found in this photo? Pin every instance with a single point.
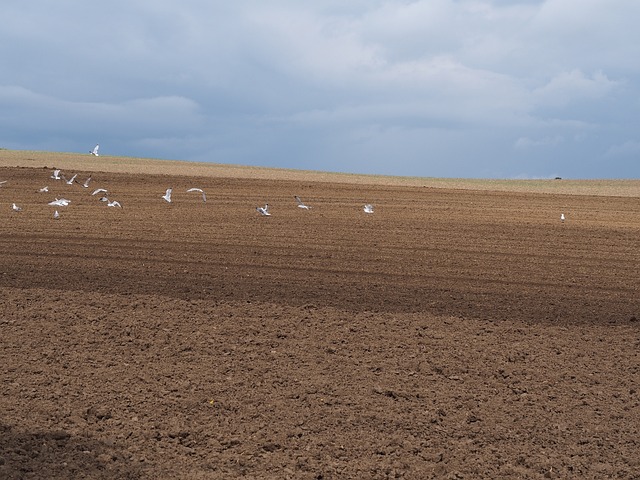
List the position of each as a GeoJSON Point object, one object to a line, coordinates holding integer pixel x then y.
{"type": "Point", "coordinates": [60, 202]}
{"type": "Point", "coordinates": [3, 182]}
{"type": "Point", "coordinates": [562, 217]}
{"type": "Point", "coordinates": [300, 204]}
{"type": "Point", "coordinates": [16, 208]}
{"type": "Point", "coordinates": [204, 196]}
{"type": "Point", "coordinates": [115, 203]}
{"type": "Point", "coordinates": [56, 175]}
{"type": "Point", "coordinates": [95, 150]}
{"type": "Point", "coordinates": [71, 180]}
{"type": "Point", "coordinates": [44, 190]}
{"type": "Point", "coordinates": [104, 199]}
{"type": "Point", "coordinates": [264, 210]}
{"type": "Point", "coordinates": [368, 208]}
{"type": "Point", "coordinates": [99, 190]}
{"type": "Point", "coordinates": [86, 182]}
{"type": "Point", "coordinates": [167, 195]}
{"type": "Point", "coordinates": [56, 215]}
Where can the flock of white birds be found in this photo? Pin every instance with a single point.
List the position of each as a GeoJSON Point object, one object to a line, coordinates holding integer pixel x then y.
{"type": "Point", "coordinates": [63, 202]}
{"type": "Point", "coordinates": [57, 175]}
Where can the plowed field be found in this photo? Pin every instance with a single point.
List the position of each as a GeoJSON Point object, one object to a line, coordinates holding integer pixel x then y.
{"type": "Point", "coordinates": [454, 333]}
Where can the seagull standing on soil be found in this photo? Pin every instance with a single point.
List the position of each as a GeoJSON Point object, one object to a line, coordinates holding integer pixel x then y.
{"type": "Point", "coordinates": [562, 217]}
{"type": "Point", "coordinates": [95, 151]}
{"type": "Point", "coordinates": [56, 215]}
{"type": "Point", "coordinates": [264, 210]}
{"type": "Point", "coordinates": [204, 196]}
{"type": "Point", "coordinates": [60, 202]}
{"type": "Point", "coordinates": [56, 175]}
{"type": "Point", "coordinates": [167, 195]}
{"type": "Point", "coordinates": [300, 204]}
{"type": "Point", "coordinates": [368, 208]}
{"type": "Point", "coordinates": [16, 208]}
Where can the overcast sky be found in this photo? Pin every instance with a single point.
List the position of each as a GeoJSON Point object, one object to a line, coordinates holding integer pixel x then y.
{"type": "Point", "coordinates": [444, 88]}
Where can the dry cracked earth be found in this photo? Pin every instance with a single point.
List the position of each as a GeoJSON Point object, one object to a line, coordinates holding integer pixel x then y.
{"type": "Point", "coordinates": [451, 334]}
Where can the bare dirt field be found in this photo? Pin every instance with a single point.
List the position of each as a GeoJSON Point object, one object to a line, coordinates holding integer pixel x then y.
{"type": "Point", "coordinates": [455, 333]}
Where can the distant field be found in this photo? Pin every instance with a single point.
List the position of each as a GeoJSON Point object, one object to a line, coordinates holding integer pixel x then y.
{"type": "Point", "coordinates": [75, 161]}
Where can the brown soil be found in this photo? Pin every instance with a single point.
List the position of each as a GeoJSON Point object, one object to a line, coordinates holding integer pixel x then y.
{"type": "Point", "coordinates": [451, 334]}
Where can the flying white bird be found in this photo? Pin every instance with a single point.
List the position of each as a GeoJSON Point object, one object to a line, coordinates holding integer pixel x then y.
{"type": "Point", "coordinates": [60, 202]}
{"type": "Point", "coordinates": [86, 182]}
{"type": "Point", "coordinates": [562, 217]}
{"type": "Point", "coordinates": [99, 190]}
{"type": "Point", "coordinates": [56, 175]}
{"type": "Point", "coordinates": [56, 215]}
{"type": "Point", "coordinates": [44, 190]}
{"type": "Point", "coordinates": [16, 208]}
{"type": "Point", "coordinates": [167, 195]}
{"type": "Point", "coordinates": [264, 210]}
{"type": "Point", "coordinates": [115, 203]}
{"type": "Point", "coordinates": [300, 204]}
{"type": "Point", "coordinates": [204, 196]}
{"type": "Point", "coordinates": [104, 199]}
{"type": "Point", "coordinates": [368, 208]}
{"type": "Point", "coordinates": [3, 182]}
{"type": "Point", "coordinates": [71, 180]}
{"type": "Point", "coordinates": [95, 150]}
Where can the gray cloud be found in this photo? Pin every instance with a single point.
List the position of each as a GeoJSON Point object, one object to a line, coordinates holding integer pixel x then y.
{"type": "Point", "coordinates": [438, 87]}
{"type": "Point", "coordinates": [630, 148]}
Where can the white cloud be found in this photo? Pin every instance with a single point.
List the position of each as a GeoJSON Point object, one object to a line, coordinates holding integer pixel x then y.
{"type": "Point", "coordinates": [585, 34]}
{"type": "Point", "coordinates": [567, 87]}
{"type": "Point", "coordinates": [319, 48]}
